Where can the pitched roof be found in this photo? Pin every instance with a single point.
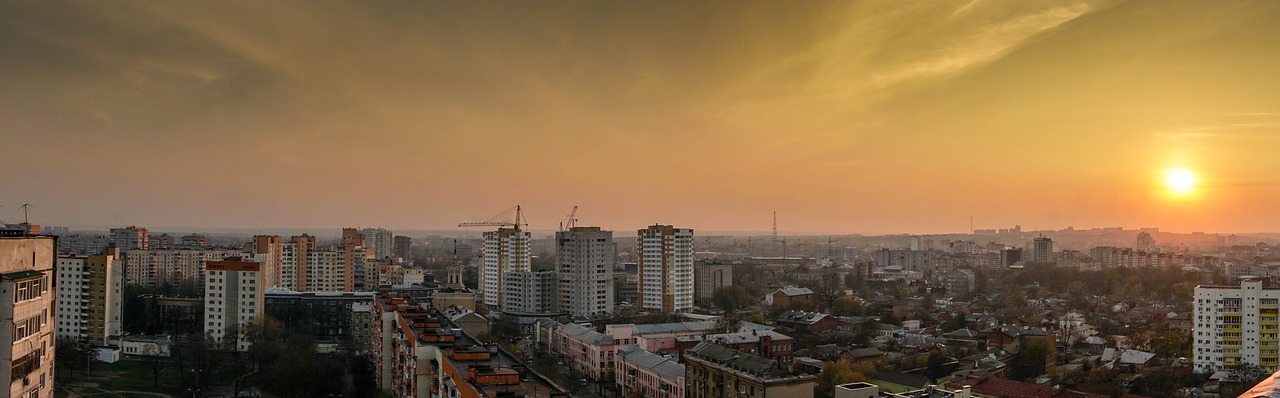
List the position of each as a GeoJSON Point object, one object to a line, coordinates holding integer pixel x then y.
{"type": "Point", "coordinates": [586, 334]}
{"type": "Point", "coordinates": [963, 333]}
{"type": "Point", "coordinates": [794, 291]}
{"type": "Point", "coordinates": [663, 366]}
{"type": "Point", "coordinates": [673, 327]}
{"type": "Point", "coordinates": [802, 317]}
{"type": "Point", "coordinates": [754, 326]}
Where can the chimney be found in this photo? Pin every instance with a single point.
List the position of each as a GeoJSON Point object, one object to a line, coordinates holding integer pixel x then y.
{"type": "Point", "coordinates": [967, 392]}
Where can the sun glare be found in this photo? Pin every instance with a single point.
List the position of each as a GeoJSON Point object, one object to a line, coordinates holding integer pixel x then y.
{"type": "Point", "coordinates": [1180, 181]}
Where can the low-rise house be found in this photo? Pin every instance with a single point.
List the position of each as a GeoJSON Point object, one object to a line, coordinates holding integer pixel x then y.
{"type": "Point", "coordinates": [813, 322]}
{"type": "Point", "coordinates": [1129, 361]}
{"type": "Point", "coordinates": [469, 321]}
{"type": "Point", "coordinates": [146, 346]}
{"type": "Point", "coordinates": [867, 354]}
{"type": "Point", "coordinates": [964, 338]}
{"type": "Point", "coordinates": [788, 296]}
{"type": "Point", "coordinates": [1012, 338]}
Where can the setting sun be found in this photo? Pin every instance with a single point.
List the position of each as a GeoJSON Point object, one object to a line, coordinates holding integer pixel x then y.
{"type": "Point", "coordinates": [1180, 181]}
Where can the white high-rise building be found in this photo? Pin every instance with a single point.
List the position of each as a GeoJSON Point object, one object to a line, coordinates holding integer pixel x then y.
{"type": "Point", "coordinates": [1236, 325]}
{"type": "Point", "coordinates": [666, 268]}
{"type": "Point", "coordinates": [584, 264]}
{"type": "Point", "coordinates": [380, 240]}
{"type": "Point", "coordinates": [233, 299]}
{"type": "Point", "coordinates": [505, 250]}
{"type": "Point", "coordinates": [89, 298]}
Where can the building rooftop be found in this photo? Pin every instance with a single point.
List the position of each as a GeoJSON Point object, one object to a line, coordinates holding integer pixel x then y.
{"type": "Point", "coordinates": [744, 337]}
{"type": "Point", "coordinates": [663, 366]}
{"type": "Point", "coordinates": [755, 366]}
{"type": "Point", "coordinates": [802, 317]}
{"type": "Point", "coordinates": [583, 333]}
{"type": "Point", "coordinates": [794, 291]}
{"type": "Point", "coordinates": [434, 328]}
{"type": "Point", "coordinates": [673, 327]}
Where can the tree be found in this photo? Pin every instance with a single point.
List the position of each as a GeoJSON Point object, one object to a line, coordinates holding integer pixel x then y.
{"type": "Point", "coordinates": [267, 339]}
{"type": "Point", "coordinates": [841, 372]}
{"type": "Point", "coordinates": [731, 298]}
{"type": "Point", "coordinates": [155, 362]}
{"type": "Point", "coordinates": [1030, 360]}
{"type": "Point", "coordinates": [1170, 344]}
{"type": "Point", "coordinates": [936, 365]}
{"type": "Point", "coordinates": [71, 355]}
{"type": "Point", "coordinates": [1101, 381]}
{"type": "Point", "coordinates": [845, 306]}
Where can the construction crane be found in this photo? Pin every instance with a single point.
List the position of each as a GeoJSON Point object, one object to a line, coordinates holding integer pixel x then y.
{"type": "Point", "coordinates": [569, 222]}
{"type": "Point", "coordinates": [499, 220]}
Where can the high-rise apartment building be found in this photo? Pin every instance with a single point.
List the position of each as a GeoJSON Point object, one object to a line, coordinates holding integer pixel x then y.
{"type": "Point", "coordinates": [131, 238]}
{"type": "Point", "coordinates": [27, 307]}
{"type": "Point", "coordinates": [154, 268]}
{"type": "Point", "coordinates": [1042, 250]}
{"type": "Point", "coordinates": [378, 240]}
{"type": "Point", "coordinates": [89, 298]}
{"type": "Point", "coordinates": [160, 242]}
{"type": "Point", "coordinates": [505, 250]}
{"type": "Point", "coordinates": [529, 293]}
{"type": "Point", "coordinates": [666, 268]}
{"type": "Point", "coordinates": [709, 276]}
{"type": "Point", "coordinates": [268, 251]}
{"type": "Point", "coordinates": [351, 240]}
{"type": "Point", "coordinates": [1010, 257]}
{"type": "Point", "coordinates": [293, 262]}
{"type": "Point", "coordinates": [233, 299]}
{"type": "Point", "coordinates": [196, 241]}
{"type": "Point", "coordinates": [1145, 241]}
{"type": "Point", "coordinates": [326, 272]}
{"type": "Point", "coordinates": [1236, 325]}
{"type": "Point", "coordinates": [402, 247]}
{"type": "Point", "coordinates": [584, 262]}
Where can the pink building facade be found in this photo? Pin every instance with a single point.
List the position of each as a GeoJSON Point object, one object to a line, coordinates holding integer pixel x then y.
{"type": "Point", "coordinates": [645, 374]}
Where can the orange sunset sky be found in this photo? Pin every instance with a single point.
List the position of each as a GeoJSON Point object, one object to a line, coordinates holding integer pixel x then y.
{"type": "Point", "coordinates": [842, 116]}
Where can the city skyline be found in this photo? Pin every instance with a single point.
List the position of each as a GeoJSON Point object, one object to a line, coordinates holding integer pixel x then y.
{"type": "Point", "coordinates": [844, 117]}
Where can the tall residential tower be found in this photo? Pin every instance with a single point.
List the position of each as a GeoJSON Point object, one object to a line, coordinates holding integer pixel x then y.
{"type": "Point", "coordinates": [666, 268]}
{"type": "Point", "coordinates": [505, 250]}
{"type": "Point", "coordinates": [26, 314]}
{"type": "Point", "coordinates": [1236, 325]}
{"type": "Point", "coordinates": [584, 262]}
{"type": "Point", "coordinates": [89, 298]}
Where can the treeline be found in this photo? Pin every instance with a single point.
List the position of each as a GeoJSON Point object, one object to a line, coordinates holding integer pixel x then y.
{"type": "Point", "coordinates": [1165, 284]}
